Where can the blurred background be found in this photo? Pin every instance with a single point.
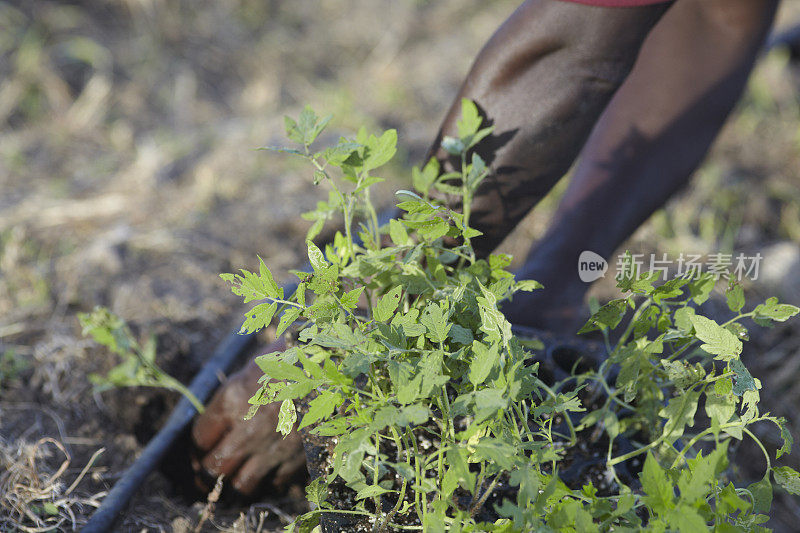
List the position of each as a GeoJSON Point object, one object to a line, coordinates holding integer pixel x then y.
{"type": "Point", "coordinates": [129, 178]}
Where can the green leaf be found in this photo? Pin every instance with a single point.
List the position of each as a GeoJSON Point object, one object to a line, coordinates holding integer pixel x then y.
{"type": "Point", "coordinates": [460, 335]}
{"type": "Point", "coordinates": [287, 416]}
{"type": "Point", "coordinates": [380, 149]}
{"type": "Point", "coordinates": [387, 304]}
{"type": "Point", "coordinates": [398, 232]}
{"type": "Point", "coordinates": [701, 288]}
{"type": "Point", "coordinates": [679, 413]}
{"type": "Point", "coordinates": [608, 316]}
{"type": "Point", "coordinates": [720, 409]}
{"type": "Point", "coordinates": [657, 487]}
{"type": "Point", "coordinates": [434, 319]}
{"type": "Point", "coordinates": [483, 360]}
{"type": "Point", "coordinates": [734, 296]}
{"type": "Point", "coordinates": [276, 368]}
{"type": "Point", "coordinates": [496, 451]}
{"type": "Point", "coordinates": [773, 310]}
{"type": "Point", "coordinates": [488, 402]}
{"type": "Point", "coordinates": [315, 228]}
{"type": "Point", "coordinates": [316, 257]}
{"type": "Point", "coordinates": [350, 299]}
{"type": "Point", "coordinates": [415, 414]}
{"type": "Point", "coordinates": [528, 285]}
{"type": "Point", "coordinates": [717, 340]}
{"type": "Point", "coordinates": [723, 387]}
{"type": "Point", "coordinates": [371, 491]}
{"type": "Point", "coordinates": [424, 180]}
{"type": "Point", "coordinates": [317, 491]}
{"type": "Point", "coordinates": [787, 478]}
{"type": "Point", "coordinates": [686, 519]}
{"type": "Point", "coordinates": [408, 391]}
{"type": "Point", "coordinates": [470, 119]}
{"type": "Point", "coordinates": [287, 319]}
{"type": "Point", "coordinates": [744, 379]}
{"type": "Point", "coordinates": [336, 155]}
{"type": "Point", "coordinates": [321, 407]}
{"type": "Point", "coordinates": [762, 495]}
{"type": "Point", "coordinates": [786, 435]}
{"type": "Point", "coordinates": [258, 317]}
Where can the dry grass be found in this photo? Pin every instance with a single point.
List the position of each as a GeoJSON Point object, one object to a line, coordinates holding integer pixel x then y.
{"type": "Point", "coordinates": [35, 498]}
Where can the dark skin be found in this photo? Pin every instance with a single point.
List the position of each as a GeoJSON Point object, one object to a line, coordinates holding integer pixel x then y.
{"type": "Point", "coordinates": [556, 78]}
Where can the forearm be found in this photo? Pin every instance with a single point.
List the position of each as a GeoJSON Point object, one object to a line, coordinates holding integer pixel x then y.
{"type": "Point", "coordinates": [543, 80]}
{"type": "Point", "coordinates": [658, 128]}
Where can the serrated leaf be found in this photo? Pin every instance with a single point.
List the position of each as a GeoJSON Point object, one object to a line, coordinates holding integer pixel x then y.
{"type": "Point", "coordinates": [287, 319]}
{"type": "Point", "coordinates": [398, 232]}
{"type": "Point", "coordinates": [717, 340]}
{"type": "Point", "coordinates": [276, 368]}
{"type": "Point", "coordinates": [387, 304]}
{"type": "Point", "coordinates": [434, 319]}
{"type": "Point", "coordinates": [734, 296]}
{"type": "Point", "coordinates": [786, 435]}
{"type": "Point", "coordinates": [720, 409]}
{"type": "Point", "coordinates": [415, 414]}
{"type": "Point", "coordinates": [371, 491]}
{"type": "Point", "coordinates": [787, 478]}
{"type": "Point", "coordinates": [772, 310]}
{"type": "Point", "coordinates": [317, 491]}
{"type": "Point", "coordinates": [258, 317]}
{"type": "Point", "coordinates": [320, 408]}
{"type": "Point", "coordinates": [350, 298]}
{"type": "Point", "coordinates": [483, 360]}
{"type": "Point", "coordinates": [470, 119]}
{"type": "Point", "coordinates": [701, 288]}
{"type": "Point", "coordinates": [744, 379]}
{"type": "Point", "coordinates": [287, 416]}
{"type": "Point", "coordinates": [316, 257]}
{"type": "Point", "coordinates": [679, 413]}
{"type": "Point", "coordinates": [762, 495]}
{"type": "Point", "coordinates": [380, 149]}
{"type": "Point", "coordinates": [528, 285]}
{"type": "Point", "coordinates": [460, 335]}
{"type": "Point", "coordinates": [423, 180]}
{"type": "Point", "coordinates": [655, 484]}
{"type": "Point", "coordinates": [608, 316]}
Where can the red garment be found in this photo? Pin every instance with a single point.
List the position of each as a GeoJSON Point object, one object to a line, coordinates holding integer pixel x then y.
{"type": "Point", "coordinates": [617, 3]}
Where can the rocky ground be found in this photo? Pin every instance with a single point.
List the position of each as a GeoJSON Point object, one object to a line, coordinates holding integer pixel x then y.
{"type": "Point", "coordinates": [130, 179]}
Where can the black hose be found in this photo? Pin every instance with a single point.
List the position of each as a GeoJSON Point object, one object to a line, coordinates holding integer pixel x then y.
{"type": "Point", "coordinates": [204, 383]}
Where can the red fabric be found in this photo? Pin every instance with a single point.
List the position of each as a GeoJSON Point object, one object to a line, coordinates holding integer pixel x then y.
{"type": "Point", "coordinates": [617, 3]}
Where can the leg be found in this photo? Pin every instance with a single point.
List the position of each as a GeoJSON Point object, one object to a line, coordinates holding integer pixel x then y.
{"type": "Point", "coordinates": [543, 79]}
{"type": "Point", "coordinates": [654, 134]}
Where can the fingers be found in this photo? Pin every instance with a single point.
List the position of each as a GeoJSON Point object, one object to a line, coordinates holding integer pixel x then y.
{"type": "Point", "coordinates": [285, 456]}
{"type": "Point", "coordinates": [252, 472]}
{"type": "Point", "coordinates": [211, 426]}
{"type": "Point", "coordinates": [289, 468]}
{"type": "Point", "coordinates": [234, 448]}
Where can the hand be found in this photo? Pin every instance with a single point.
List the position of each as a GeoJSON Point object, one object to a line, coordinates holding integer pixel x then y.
{"type": "Point", "coordinates": [245, 451]}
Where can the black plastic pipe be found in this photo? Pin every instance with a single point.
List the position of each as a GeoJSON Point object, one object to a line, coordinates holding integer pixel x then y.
{"type": "Point", "coordinates": [204, 383]}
